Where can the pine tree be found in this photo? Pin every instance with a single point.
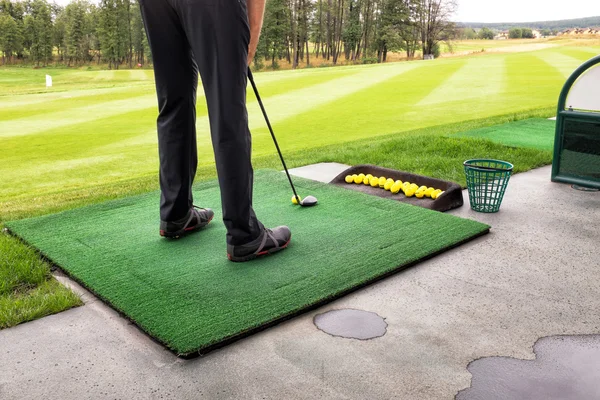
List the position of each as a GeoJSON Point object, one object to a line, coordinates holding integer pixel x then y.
{"type": "Point", "coordinates": [59, 32]}
{"type": "Point", "coordinates": [77, 46]}
{"type": "Point", "coordinates": [107, 32]}
{"type": "Point", "coordinates": [10, 38]}
{"type": "Point", "coordinates": [91, 32]}
{"type": "Point", "coordinates": [30, 36]}
{"type": "Point", "coordinates": [43, 21]}
{"type": "Point", "coordinates": [137, 34]}
{"type": "Point", "coordinates": [352, 30]}
{"type": "Point", "coordinates": [274, 37]}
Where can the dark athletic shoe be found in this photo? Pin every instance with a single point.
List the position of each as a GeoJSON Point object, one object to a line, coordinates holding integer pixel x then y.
{"type": "Point", "coordinates": [271, 241]}
{"type": "Point", "coordinates": [197, 218]}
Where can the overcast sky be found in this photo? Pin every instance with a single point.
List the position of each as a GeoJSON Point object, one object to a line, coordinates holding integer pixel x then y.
{"type": "Point", "coordinates": [524, 10]}
{"type": "Point", "coordinates": [513, 10]}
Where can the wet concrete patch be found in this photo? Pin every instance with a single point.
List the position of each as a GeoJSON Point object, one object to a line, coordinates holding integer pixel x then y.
{"type": "Point", "coordinates": [351, 324]}
{"type": "Point", "coordinates": [566, 367]}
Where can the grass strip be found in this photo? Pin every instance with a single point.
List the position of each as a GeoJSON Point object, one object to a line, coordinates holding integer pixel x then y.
{"type": "Point", "coordinates": [421, 156]}
{"type": "Point", "coordinates": [27, 289]}
{"type": "Point", "coordinates": [535, 133]}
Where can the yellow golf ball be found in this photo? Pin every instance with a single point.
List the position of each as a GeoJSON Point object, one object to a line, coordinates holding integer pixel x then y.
{"type": "Point", "coordinates": [388, 184]}
{"type": "Point", "coordinates": [367, 180]}
{"type": "Point", "coordinates": [374, 181]}
{"type": "Point", "coordinates": [419, 194]}
{"type": "Point", "coordinates": [295, 200]}
{"type": "Point", "coordinates": [435, 194]}
{"type": "Point", "coordinates": [349, 179]}
{"type": "Point", "coordinates": [429, 191]}
{"type": "Point", "coordinates": [358, 178]}
{"type": "Point", "coordinates": [395, 188]}
{"type": "Point", "coordinates": [382, 181]}
{"type": "Point", "coordinates": [409, 193]}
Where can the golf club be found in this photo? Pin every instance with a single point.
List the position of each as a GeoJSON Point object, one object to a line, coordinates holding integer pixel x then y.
{"type": "Point", "coordinates": [308, 200]}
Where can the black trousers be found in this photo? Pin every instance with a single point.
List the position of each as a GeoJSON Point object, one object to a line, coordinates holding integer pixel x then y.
{"type": "Point", "coordinates": [210, 37]}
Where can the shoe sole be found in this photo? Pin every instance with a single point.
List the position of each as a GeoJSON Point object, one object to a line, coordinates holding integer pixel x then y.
{"type": "Point", "coordinates": [258, 255]}
{"type": "Point", "coordinates": [183, 232]}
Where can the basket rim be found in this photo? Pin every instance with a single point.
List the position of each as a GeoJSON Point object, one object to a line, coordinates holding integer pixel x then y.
{"type": "Point", "coordinates": [468, 164]}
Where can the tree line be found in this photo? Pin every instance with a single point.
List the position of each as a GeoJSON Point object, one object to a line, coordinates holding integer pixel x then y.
{"type": "Point", "coordinates": [294, 31]}
{"type": "Point", "coordinates": [362, 31]}
{"type": "Point", "coordinates": [489, 34]}
{"type": "Point", "coordinates": [39, 32]}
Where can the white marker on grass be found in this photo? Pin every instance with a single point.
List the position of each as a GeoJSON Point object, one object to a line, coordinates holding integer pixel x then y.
{"type": "Point", "coordinates": [48, 81]}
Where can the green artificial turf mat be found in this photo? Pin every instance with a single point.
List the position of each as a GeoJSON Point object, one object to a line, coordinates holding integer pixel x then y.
{"type": "Point", "coordinates": [187, 295]}
{"type": "Point", "coordinates": [536, 133]}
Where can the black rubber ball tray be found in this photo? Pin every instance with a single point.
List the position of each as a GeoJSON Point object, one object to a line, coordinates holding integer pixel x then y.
{"type": "Point", "coordinates": [450, 199]}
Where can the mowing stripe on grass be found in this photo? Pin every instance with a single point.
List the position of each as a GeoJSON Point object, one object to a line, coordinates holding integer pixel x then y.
{"type": "Point", "coordinates": [45, 171]}
{"type": "Point", "coordinates": [20, 100]}
{"type": "Point", "coordinates": [77, 102]}
{"type": "Point", "coordinates": [306, 99]}
{"type": "Point", "coordinates": [531, 81]}
{"type": "Point", "coordinates": [188, 296]}
{"type": "Point", "coordinates": [468, 82]}
{"type": "Point", "coordinates": [140, 75]}
{"type": "Point", "coordinates": [590, 50]}
{"type": "Point", "coordinates": [107, 75]}
{"type": "Point", "coordinates": [578, 53]}
{"type": "Point", "coordinates": [374, 111]}
{"type": "Point", "coordinates": [287, 105]}
{"type": "Point", "coordinates": [566, 65]}
{"type": "Point", "coordinates": [279, 89]}
{"type": "Point", "coordinates": [89, 113]}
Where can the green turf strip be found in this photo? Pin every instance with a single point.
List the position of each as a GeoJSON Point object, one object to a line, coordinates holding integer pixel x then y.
{"type": "Point", "coordinates": [187, 295]}
{"type": "Point", "coordinates": [535, 133]}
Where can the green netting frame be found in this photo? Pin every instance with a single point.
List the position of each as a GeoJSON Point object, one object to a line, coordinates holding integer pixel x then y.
{"type": "Point", "coordinates": [580, 167]}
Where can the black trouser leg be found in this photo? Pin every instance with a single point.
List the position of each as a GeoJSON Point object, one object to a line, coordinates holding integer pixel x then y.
{"type": "Point", "coordinates": [218, 34]}
{"type": "Point", "coordinates": [176, 77]}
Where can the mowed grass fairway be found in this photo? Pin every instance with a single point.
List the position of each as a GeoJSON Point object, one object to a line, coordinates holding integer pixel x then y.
{"type": "Point", "coordinates": [92, 136]}
{"type": "Point", "coordinates": [97, 128]}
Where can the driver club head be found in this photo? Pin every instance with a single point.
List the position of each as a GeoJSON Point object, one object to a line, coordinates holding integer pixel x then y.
{"type": "Point", "coordinates": [308, 201]}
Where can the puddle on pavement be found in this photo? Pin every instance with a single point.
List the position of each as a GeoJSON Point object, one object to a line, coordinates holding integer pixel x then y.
{"type": "Point", "coordinates": [351, 324]}
{"type": "Point", "coordinates": [566, 367]}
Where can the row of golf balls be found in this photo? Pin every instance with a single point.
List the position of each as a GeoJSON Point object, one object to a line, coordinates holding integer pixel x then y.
{"type": "Point", "coordinates": [408, 188]}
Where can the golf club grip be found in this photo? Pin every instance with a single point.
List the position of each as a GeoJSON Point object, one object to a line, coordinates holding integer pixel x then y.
{"type": "Point", "coordinates": [262, 107]}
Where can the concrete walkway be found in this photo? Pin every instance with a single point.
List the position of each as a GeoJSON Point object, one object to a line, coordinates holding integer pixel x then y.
{"type": "Point", "coordinates": [535, 275]}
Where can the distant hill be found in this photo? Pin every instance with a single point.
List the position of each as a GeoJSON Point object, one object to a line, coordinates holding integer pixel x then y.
{"type": "Point", "coordinates": [555, 25]}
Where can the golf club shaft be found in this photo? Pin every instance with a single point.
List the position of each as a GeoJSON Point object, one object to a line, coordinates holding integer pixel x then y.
{"type": "Point", "coordinates": [262, 107]}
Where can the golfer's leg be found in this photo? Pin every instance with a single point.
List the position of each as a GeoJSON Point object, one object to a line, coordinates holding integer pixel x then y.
{"type": "Point", "coordinates": [219, 34]}
{"type": "Point", "coordinates": [176, 78]}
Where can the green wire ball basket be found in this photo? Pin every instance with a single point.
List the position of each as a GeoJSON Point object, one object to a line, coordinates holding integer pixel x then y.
{"type": "Point", "coordinates": [486, 182]}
